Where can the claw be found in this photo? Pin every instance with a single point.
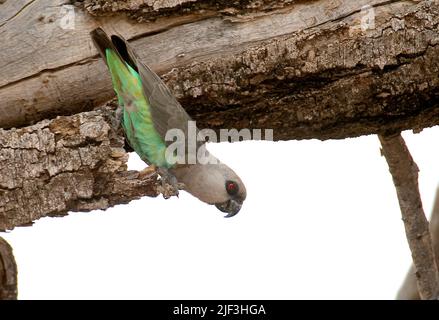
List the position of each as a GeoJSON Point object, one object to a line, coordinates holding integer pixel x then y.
{"type": "Point", "coordinates": [169, 184]}
{"type": "Point", "coordinates": [116, 120]}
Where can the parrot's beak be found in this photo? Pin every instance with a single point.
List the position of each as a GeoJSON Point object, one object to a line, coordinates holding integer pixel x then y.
{"type": "Point", "coordinates": [231, 207]}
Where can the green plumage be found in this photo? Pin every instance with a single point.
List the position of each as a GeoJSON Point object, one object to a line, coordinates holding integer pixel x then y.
{"type": "Point", "coordinates": [137, 120]}
{"type": "Point", "coordinates": [150, 109]}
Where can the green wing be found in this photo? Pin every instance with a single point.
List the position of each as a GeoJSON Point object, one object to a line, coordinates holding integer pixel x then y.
{"type": "Point", "coordinates": [166, 112]}
{"type": "Point", "coordinates": [137, 119]}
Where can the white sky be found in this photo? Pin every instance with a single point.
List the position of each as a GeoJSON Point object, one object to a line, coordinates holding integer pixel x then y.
{"type": "Point", "coordinates": [321, 221]}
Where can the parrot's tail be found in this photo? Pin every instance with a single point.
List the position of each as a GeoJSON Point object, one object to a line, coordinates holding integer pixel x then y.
{"type": "Point", "coordinates": [117, 44]}
{"type": "Point", "coordinates": [102, 42]}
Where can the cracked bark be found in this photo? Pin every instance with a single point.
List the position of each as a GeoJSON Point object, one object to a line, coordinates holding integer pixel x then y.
{"type": "Point", "coordinates": [304, 68]}
{"type": "Point", "coordinates": [71, 163]}
{"type": "Point", "coordinates": [404, 172]}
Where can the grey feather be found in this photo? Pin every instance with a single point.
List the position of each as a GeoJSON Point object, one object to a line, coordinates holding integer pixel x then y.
{"type": "Point", "coordinates": [208, 182]}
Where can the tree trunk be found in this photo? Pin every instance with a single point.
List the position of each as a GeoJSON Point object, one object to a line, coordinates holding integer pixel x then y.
{"type": "Point", "coordinates": [308, 69]}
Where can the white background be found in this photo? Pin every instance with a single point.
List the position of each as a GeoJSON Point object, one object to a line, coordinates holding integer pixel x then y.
{"type": "Point", "coordinates": [321, 221]}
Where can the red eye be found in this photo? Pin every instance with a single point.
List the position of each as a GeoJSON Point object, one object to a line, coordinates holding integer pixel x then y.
{"type": "Point", "coordinates": [232, 187]}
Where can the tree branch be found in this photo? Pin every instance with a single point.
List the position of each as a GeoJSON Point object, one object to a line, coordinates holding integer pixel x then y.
{"type": "Point", "coordinates": [8, 272]}
{"type": "Point", "coordinates": [303, 68]}
{"type": "Point", "coordinates": [409, 290]}
{"type": "Point", "coordinates": [405, 177]}
{"type": "Point", "coordinates": [74, 163]}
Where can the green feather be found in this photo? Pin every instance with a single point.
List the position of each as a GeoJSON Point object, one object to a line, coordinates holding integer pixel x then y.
{"type": "Point", "coordinates": [137, 121]}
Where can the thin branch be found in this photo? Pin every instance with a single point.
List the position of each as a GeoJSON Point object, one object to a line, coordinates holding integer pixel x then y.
{"type": "Point", "coordinates": [409, 290]}
{"type": "Point", "coordinates": [405, 178]}
{"type": "Point", "coordinates": [8, 272]}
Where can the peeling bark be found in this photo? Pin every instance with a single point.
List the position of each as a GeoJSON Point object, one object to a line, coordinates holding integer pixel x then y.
{"type": "Point", "coordinates": [8, 272]}
{"type": "Point", "coordinates": [73, 163]}
{"type": "Point", "coordinates": [306, 70]}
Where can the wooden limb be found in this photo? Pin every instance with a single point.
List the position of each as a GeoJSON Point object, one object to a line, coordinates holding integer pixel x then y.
{"type": "Point", "coordinates": [307, 69]}
{"type": "Point", "coordinates": [404, 172]}
{"type": "Point", "coordinates": [71, 163]}
{"type": "Point", "coordinates": [409, 289]}
{"type": "Point", "coordinates": [8, 272]}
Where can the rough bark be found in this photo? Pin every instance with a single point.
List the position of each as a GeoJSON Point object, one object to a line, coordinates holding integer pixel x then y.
{"type": "Point", "coordinates": [8, 272]}
{"type": "Point", "coordinates": [150, 10]}
{"type": "Point", "coordinates": [409, 289]}
{"type": "Point", "coordinates": [71, 163]}
{"type": "Point", "coordinates": [404, 172]}
{"type": "Point", "coordinates": [304, 68]}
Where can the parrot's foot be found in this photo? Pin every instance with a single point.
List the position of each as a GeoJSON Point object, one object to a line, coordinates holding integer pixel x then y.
{"type": "Point", "coordinates": [169, 183]}
{"type": "Point", "coordinates": [116, 120]}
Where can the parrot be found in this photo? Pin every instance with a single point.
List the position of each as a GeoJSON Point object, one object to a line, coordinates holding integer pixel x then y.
{"type": "Point", "coordinates": [147, 111]}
